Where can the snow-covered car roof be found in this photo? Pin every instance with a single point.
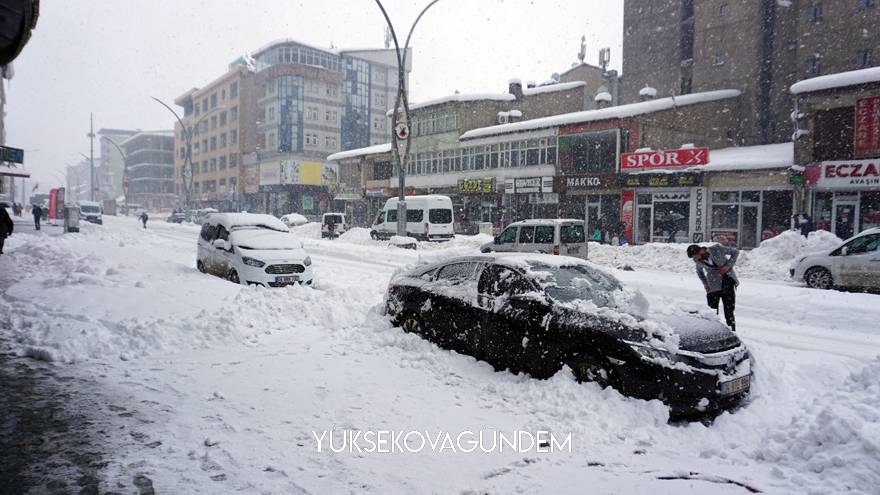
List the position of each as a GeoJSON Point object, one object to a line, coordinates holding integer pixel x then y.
{"type": "Point", "coordinates": [548, 221]}
{"type": "Point", "coordinates": [233, 220]}
{"type": "Point", "coordinates": [523, 261]}
{"type": "Point", "coordinates": [262, 239]}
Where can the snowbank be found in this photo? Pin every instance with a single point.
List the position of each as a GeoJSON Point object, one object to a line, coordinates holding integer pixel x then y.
{"type": "Point", "coordinates": [769, 261]}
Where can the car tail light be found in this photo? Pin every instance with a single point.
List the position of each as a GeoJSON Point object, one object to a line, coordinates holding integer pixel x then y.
{"type": "Point", "coordinates": [556, 249]}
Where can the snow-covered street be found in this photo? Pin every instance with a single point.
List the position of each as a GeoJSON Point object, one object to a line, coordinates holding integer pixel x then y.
{"type": "Point", "coordinates": [212, 387]}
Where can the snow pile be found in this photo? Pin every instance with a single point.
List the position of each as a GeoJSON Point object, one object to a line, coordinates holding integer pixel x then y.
{"type": "Point", "coordinates": [356, 235]}
{"type": "Point", "coordinates": [837, 436]}
{"type": "Point", "coordinates": [308, 231]}
{"type": "Point", "coordinates": [769, 261]}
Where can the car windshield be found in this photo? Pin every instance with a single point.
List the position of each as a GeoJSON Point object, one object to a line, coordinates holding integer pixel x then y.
{"type": "Point", "coordinates": [577, 282]}
{"type": "Point", "coordinates": [89, 209]}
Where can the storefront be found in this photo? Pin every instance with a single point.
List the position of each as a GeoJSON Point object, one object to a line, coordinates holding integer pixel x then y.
{"type": "Point", "coordinates": [475, 201]}
{"type": "Point", "coordinates": [743, 217]}
{"type": "Point", "coordinates": [530, 197]}
{"type": "Point", "coordinates": [669, 207]}
{"type": "Point", "coordinates": [595, 198]}
{"type": "Point", "coordinates": [845, 195]}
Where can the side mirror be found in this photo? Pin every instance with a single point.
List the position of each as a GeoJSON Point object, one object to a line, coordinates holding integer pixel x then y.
{"type": "Point", "coordinates": [497, 240]}
{"type": "Point", "coordinates": [844, 251]}
{"type": "Point", "coordinates": [221, 244]}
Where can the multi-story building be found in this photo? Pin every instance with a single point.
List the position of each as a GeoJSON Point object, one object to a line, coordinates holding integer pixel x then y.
{"type": "Point", "coordinates": [294, 105]}
{"type": "Point", "coordinates": [760, 47]}
{"type": "Point", "coordinates": [150, 158]}
{"type": "Point", "coordinates": [77, 181]}
{"type": "Point", "coordinates": [110, 167]}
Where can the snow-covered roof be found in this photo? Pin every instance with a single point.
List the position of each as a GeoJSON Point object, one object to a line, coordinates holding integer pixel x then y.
{"type": "Point", "coordinates": [162, 133]}
{"type": "Point", "coordinates": [604, 96]}
{"type": "Point", "coordinates": [232, 220]}
{"type": "Point", "coordinates": [839, 80]}
{"type": "Point", "coordinates": [282, 41]}
{"type": "Point", "coordinates": [369, 150]}
{"type": "Point", "coordinates": [618, 112]}
{"type": "Point", "coordinates": [461, 97]}
{"type": "Point", "coordinates": [779, 155]}
{"type": "Point", "coordinates": [549, 88]}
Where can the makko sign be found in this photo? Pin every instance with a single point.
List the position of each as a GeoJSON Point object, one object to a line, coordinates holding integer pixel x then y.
{"type": "Point", "coordinates": [846, 174]}
{"type": "Point", "coordinates": [685, 157]}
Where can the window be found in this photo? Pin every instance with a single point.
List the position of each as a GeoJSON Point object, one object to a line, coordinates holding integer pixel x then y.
{"type": "Point", "coordinates": [814, 14]}
{"type": "Point", "coordinates": [272, 114]}
{"type": "Point", "coordinates": [863, 245]}
{"type": "Point", "coordinates": [544, 234]}
{"type": "Point", "coordinates": [213, 122]}
{"type": "Point", "coordinates": [233, 136]}
{"type": "Point", "coordinates": [222, 119]}
{"type": "Point", "coordinates": [233, 160]}
{"type": "Point", "coordinates": [589, 152]}
{"type": "Point", "coordinates": [813, 67]}
{"type": "Point", "coordinates": [213, 143]}
{"type": "Point", "coordinates": [458, 272]}
{"type": "Point", "coordinates": [222, 163]}
{"type": "Point", "coordinates": [718, 59]}
{"type": "Point", "coordinates": [863, 59]}
{"type": "Point", "coordinates": [233, 89]}
{"type": "Point", "coordinates": [312, 113]}
{"type": "Point", "coordinates": [214, 101]}
{"type": "Point", "coordinates": [569, 234]}
{"type": "Point", "coordinates": [270, 141]}
{"type": "Point", "coordinates": [438, 215]}
{"type": "Point", "coordinates": [332, 90]}
{"type": "Point", "coordinates": [391, 216]}
{"type": "Point", "coordinates": [213, 165]}
{"type": "Point", "coordinates": [508, 236]}
{"type": "Point", "coordinates": [498, 281]}
{"type": "Point", "coordinates": [864, 4]}
{"type": "Point", "coordinates": [223, 140]}
{"type": "Point", "coordinates": [415, 215]}
{"type": "Point", "coordinates": [724, 9]}
{"type": "Point", "coordinates": [233, 113]}
{"type": "Point", "coordinates": [526, 235]}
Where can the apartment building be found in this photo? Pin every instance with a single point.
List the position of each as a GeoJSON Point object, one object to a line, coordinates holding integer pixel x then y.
{"type": "Point", "coordinates": [150, 158]}
{"type": "Point", "coordinates": [760, 47]}
{"type": "Point", "coordinates": [110, 168]}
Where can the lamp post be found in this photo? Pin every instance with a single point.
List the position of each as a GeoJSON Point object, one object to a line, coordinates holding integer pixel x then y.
{"type": "Point", "coordinates": [124, 166]}
{"type": "Point", "coordinates": [401, 115]}
{"type": "Point", "coordinates": [188, 170]}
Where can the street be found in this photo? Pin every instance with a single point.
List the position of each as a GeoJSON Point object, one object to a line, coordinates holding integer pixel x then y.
{"type": "Point", "coordinates": [218, 388]}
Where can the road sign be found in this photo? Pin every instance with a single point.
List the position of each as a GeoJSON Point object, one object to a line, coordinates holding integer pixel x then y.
{"type": "Point", "coordinates": [14, 155]}
{"type": "Point", "coordinates": [402, 130]}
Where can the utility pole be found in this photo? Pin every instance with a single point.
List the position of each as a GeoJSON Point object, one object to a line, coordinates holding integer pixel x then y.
{"type": "Point", "coordinates": [91, 157]}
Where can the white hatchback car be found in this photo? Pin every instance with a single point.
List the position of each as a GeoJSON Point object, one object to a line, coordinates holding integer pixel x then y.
{"type": "Point", "coordinates": [252, 249]}
{"type": "Point", "coordinates": [853, 264]}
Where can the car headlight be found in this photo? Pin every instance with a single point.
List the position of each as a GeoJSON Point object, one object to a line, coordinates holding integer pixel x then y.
{"type": "Point", "coordinates": [653, 353]}
{"type": "Point", "coordinates": [252, 262]}
{"type": "Point", "coordinates": [307, 261]}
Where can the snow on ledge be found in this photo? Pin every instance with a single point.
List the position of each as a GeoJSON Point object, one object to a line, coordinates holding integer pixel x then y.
{"type": "Point", "coordinates": [369, 150]}
{"type": "Point", "coordinates": [839, 80]}
{"type": "Point", "coordinates": [618, 112]}
{"type": "Point", "coordinates": [549, 88]}
{"type": "Point", "coordinates": [648, 92]}
{"type": "Point", "coordinates": [764, 156]}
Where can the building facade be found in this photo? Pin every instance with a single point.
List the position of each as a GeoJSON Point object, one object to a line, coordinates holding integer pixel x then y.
{"type": "Point", "coordinates": [150, 158]}
{"type": "Point", "coordinates": [760, 47]}
{"type": "Point", "coordinates": [264, 148]}
{"type": "Point", "coordinates": [838, 147]}
{"type": "Point", "coordinates": [110, 168]}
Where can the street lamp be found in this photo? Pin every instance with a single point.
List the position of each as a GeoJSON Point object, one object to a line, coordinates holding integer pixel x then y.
{"type": "Point", "coordinates": [188, 170]}
{"type": "Point", "coordinates": [401, 110]}
{"type": "Point", "coordinates": [124, 167]}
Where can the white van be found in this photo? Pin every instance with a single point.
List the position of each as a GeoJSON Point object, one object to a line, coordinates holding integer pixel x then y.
{"type": "Point", "coordinates": [91, 211]}
{"type": "Point", "coordinates": [559, 236]}
{"type": "Point", "coordinates": [428, 218]}
{"type": "Point", "coordinates": [334, 220]}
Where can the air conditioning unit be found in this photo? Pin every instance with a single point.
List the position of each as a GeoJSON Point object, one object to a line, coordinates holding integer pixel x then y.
{"type": "Point", "coordinates": [503, 117]}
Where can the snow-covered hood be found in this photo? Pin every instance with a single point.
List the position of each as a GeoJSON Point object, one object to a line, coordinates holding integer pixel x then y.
{"type": "Point", "coordinates": [264, 240]}
{"type": "Point", "coordinates": [698, 334]}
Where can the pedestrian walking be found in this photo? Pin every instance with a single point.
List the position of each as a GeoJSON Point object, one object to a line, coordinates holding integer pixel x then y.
{"type": "Point", "coordinates": [38, 213]}
{"type": "Point", "coordinates": [805, 224]}
{"type": "Point", "coordinates": [715, 270]}
{"type": "Point", "coordinates": [5, 227]}
{"type": "Point", "coordinates": [143, 218]}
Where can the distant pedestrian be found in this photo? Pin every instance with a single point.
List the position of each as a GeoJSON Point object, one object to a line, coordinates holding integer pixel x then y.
{"type": "Point", "coordinates": [5, 227]}
{"type": "Point", "coordinates": [715, 269]}
{"type": "Point", "coordinates": [143, 218]}
{"type": "Point", "coordinates": [37, 212]}
{"type": "Point", "coordinates": [805, 224]}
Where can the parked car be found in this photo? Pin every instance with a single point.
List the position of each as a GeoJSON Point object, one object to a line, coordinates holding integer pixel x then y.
{"type": "Point", "coordinates": [91, 211]}
{"type": "Point", "coordinates": [566, 237]}
{"type": "Point", "coordinates": [176, 217]}
{"type": "Point", "coordinates": [536, 313]}
{"type": "Point", "coordinates": [199, 216]}
{"type": "Point", "coordinates": [294, 220]}
{"type": "Point", "coordinates": [428, 218]}
{"type": "Point", "coordinates": [251, 249]}
{"type": "Point", "coordinates": [854, 264]}
{"type": "Point", "coordinates": [333, 225]}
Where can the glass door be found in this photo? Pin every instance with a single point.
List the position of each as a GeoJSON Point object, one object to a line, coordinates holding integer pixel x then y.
{"type": "Point", "coordinates": [750, 228]}
{"type": "Point", "coordinates": [844, 220]}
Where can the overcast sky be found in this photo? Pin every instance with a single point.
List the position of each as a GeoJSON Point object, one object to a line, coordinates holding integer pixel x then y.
{"type": "Point", "coordinates": [109, 57]}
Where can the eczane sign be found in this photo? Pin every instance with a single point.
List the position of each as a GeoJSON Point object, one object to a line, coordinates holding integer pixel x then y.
{"type": "Point", "coordinates": [847, 174]}
{"type": "Point", "coordinates": [685, 157]}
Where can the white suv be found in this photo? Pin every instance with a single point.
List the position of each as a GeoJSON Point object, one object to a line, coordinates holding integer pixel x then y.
{"type": "Point", "coordinates": [558, 236]}
{"type": "Point", "coordinates": [251, 249]}
{"type": "Point", "coordinates": [854, 264]}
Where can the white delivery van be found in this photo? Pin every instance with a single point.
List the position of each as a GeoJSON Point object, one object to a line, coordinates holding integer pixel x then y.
{"type": "Point", "coordinates": [428, 218]}
{"type": "Point", "coordinates": [333, 225]}
{"type": "Point", "coordinates": [91, 211]}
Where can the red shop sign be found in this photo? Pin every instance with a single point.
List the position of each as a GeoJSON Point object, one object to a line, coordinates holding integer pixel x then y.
{"type": "Point", "coordinates": [867, 127]}
{"type": "Point", "coordinates": [685, 157]}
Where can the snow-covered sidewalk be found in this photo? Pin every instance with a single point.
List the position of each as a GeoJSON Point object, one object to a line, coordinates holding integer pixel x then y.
{"type": "Point", "coordinates": [232, 382]}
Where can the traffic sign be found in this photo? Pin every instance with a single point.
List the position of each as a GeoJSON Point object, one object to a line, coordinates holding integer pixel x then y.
{"type": "Point", "coordinates": [14, 155]}
{"type": "Point", "coordinates": [402, 130]}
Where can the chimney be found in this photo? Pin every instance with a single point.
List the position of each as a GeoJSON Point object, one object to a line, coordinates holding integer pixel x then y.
{"type": "Point", "coordinates": [515, 88]}
{"type": "Point", "coordinates": [531, 84]}
{"type": "Point", "coordinates": [647, 93]}
{"type": "Point", "coordinates": [603, 98]}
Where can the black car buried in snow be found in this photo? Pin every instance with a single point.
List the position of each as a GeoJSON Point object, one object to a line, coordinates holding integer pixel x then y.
{"type": "Point", "coordinates": [537, 313]}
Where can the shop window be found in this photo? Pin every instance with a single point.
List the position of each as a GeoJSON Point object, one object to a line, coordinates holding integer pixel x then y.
{"type": "Point", "coordinates": [870, 210]}
{"type": "Point", "coordinates": [589, 152]}
{"type": "Point", "coordinates": [833, 134]}
{"type": "Point", "coordinates": [776, 211]}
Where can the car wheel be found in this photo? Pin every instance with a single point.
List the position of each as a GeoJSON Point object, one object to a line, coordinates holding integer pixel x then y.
{"type": "Point", "coordinates": [200, 266]}
{"type": "Point", "coordinates": [485, 250]}
{"type": "Point", "coordinates": [586, 369]}
{"type": "Point", "coordinates": [233, 277]}
{"type": "Point", "coordinates": [819, 278]}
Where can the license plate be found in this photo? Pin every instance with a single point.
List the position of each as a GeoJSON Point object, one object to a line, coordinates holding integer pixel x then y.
{"type": "Point", "coordinates": [287, 279]}
{"type": "Point", "coordinates": [736, 386]}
